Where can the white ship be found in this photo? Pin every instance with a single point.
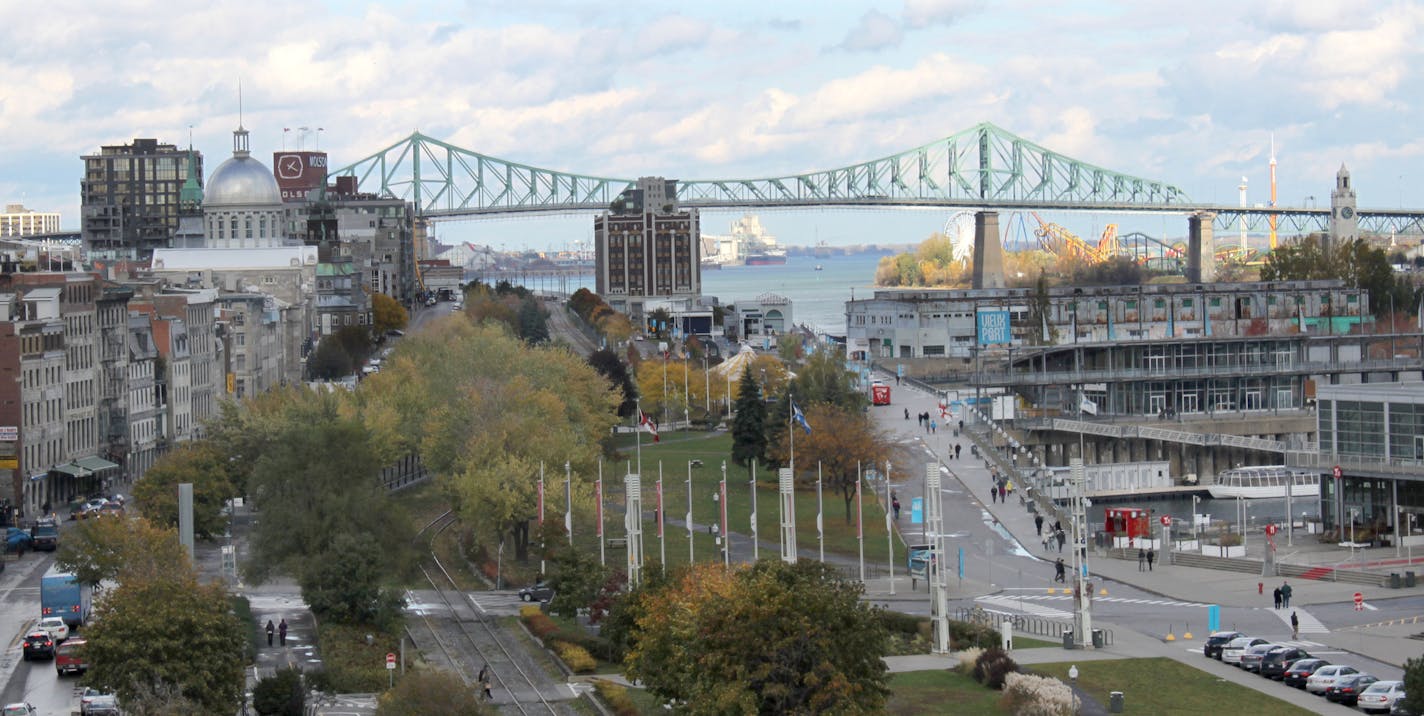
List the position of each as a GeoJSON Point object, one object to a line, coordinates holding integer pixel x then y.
{"type": "Point", "coordinates": [1264, 481]}
{"type": "Point", "coordinates": [747, 243]}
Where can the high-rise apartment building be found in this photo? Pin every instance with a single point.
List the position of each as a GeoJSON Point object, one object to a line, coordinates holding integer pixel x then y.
{"type": "Point", "coordinates": [19, 221]}
{"type": "Point", "coordinates": [130, 197]}
{"type": "Point", "coordinates": [647, 249]}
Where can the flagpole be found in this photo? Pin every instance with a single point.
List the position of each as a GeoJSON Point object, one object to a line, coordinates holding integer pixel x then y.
{"type": "Point", "coordinates": [820, 526]}
{"type": "Point", "coordinates": [859, 528]}
{"type": "Point", "coordinates": [722, 503]}
{"type": "Point", "coordinates": [638, 434]}
{"type": "Point", "coordinates": [541, 518]}
{"type": "Point", "coordinates": [598, 502]}
{"type": "Point", "coordinates": [756, 550]}
{"type": "Point", "coordinates": [662, 543]}
{"type": "Point", "coordinates": [690, 557]}
{"type": "Point", "coordinates": [569, 502]}
{"type": "Point", "coordinates": [889, 527]}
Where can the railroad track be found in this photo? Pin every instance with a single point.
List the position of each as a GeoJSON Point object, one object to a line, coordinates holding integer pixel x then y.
{"type": "Point", "coordinates": [469, 638]}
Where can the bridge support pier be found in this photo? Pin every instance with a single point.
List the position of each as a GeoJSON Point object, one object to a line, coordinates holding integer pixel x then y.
{"type": "Point", "coordinates": [988, 251]}
{"type": "Point", "coordinates": [1201, 248]}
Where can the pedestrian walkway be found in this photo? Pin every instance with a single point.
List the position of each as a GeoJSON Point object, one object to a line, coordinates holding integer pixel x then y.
{"type": "Point", "coordinates": [1308, 623]}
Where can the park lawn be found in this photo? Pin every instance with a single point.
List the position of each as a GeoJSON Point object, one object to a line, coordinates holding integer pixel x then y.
{"type": "Point", "coordinates": [1161, 685]}
{"type": "Point", "coordinates": [674, 452]}
{"type": "Point", "coordinates": [1028, 642]}
{"type": "Point", "coordinates": [942, 691]}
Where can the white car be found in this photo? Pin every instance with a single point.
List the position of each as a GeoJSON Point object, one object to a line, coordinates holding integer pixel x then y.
{"type": "Point", "coordinates": [54, 627]}
{"type": "Point", "coordinates": [1325, 677]}
{"type": "Point", "coordinates": [1380, 696]}
{"type": "Point", "coordinates": [1231, 653]}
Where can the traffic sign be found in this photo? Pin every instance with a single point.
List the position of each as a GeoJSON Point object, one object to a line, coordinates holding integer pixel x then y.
{"type": "Point", "coordinates": [1166, 520]}
{"type": "Point", "coordinates": [1337, 472]}
{"type": "Point", "coordinates": [391, 659]}
{"type": "Point", "coordinates": [1359, 601]}
{"type": "Point", "coordinates": [1271, 529]}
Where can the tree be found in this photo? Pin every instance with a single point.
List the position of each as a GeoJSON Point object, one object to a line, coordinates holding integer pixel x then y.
{"type": "Point", "coordinates": [749, 423]}
{"type": "Point", "coordinates": [168, 631]}
{"type": "Point", "coordinates": [824, 379]}
{"type": "Point", "coordinates": [119, 549]}
{"type": "Point", "coordinates": [842, 441]}
{"type": "Point", "coordinates": [329, 361]}
{"type": "Point", "coordinates": [279, 694]}
{"type": "Point", "coordinates": [533, 322]}
{"type": "Point", "coordinates": [387, 314]}
{"type": "Point", "coordinates": [610, 366]}
{"type": "Point", "coordinates": [773, 638]}
{"type": "Point", "coordinates": [344, 583]}
{"type": "Point", "coordinates": [577, 579]}
{"type": "Point", "coordinates": [1357, 263]}
{"type": "Point", "coordinates": [1039, 309]}
{"type": "Point", "coordinates": [210, 472]}
{"type": "Point", "coordinates": [431, 691]}
{"type": "Point", "coordinates": [1414, 684]}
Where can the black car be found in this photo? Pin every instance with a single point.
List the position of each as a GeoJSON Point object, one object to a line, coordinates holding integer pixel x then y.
{"type": "Point", "coordinates": [538, 592]}
{"type": "Point", "coordinates": [1212, 648]}
{"type": "Point", "coordinates": [1346, 689]}
{"type": "Point", "coordinates": [1301, 670]}
{"type": "Point", "coordinates": [38, 645]}
{"type": "Point", "coordinates": [1275, 663]}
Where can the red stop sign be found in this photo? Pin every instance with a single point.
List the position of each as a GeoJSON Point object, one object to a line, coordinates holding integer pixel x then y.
{"type": "Point", "coordinates": [391, 658]}
{"type": "Point", "coordinates": [1166, 520]}
{"type": "Point", "coordinates": [1359, 599]}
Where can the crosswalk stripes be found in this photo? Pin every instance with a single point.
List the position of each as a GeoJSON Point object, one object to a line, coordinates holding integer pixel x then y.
{"type": "Point", "coordinates": [1115, 600]}
{"type": "Point", "coordinates": [1308, 623]}
{"type": "Point", "coordinates": [1017, 604]}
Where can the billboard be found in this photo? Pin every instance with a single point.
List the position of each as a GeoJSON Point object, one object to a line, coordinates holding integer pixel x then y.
{"type": "Point", "coordinates": [298, 173]}
{"type": "Point", "coordinates": [993, 327]}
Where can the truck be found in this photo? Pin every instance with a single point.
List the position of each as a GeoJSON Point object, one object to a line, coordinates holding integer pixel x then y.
{"type": "Point", "coordinates": [44, 534]}
{"type": "Point", "coordinates": [63, 595]}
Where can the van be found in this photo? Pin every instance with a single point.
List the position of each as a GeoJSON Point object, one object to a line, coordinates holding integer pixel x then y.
{"type": "Point", "coordinates": [69, 657]}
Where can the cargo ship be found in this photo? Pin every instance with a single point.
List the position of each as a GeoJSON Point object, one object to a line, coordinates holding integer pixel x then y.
{"type": "Point", "coordinates": [773, 257]}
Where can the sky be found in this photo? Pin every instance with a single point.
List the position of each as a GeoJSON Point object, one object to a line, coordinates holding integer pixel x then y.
{"type": "Point", "coordinates": [1186, 94]}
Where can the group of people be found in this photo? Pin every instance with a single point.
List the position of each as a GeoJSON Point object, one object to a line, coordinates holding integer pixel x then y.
{"type": "Point", "coordinates": [1145, 558]}
{"type": "Point", "coordinates": [1283, 595]}
{"type": "Point", "coordinates": [282, 629]}
{"type": "Point", "coordinates": [1053, 534]}
{"type": "Point", "coordinates": [1002, 487]}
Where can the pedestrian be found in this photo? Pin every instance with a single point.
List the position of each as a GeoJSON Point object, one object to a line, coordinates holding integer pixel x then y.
{"type": "Point", "coordinates": [956, 451]}
{"type": "Point", "coordinates": [270, 629]}
{"type": "Point", "coordinates": [1047, 542]}
{"type": "Point", "coordinates": [993, 493]}
{"type": "Point", "coordinates": [1004, 493]}
{"type": "Point", "coordinates": [1151, 555]}
{"type": "Point", "coordinates": [1058, 570]}
{"type": "Point", "coordinates": [484, 681]}
{"type": "Point", "coordinates": [1038, 524]}
{"type": "Point", "coordinates": [1008, 487]}
{"type": "Point", "coordinates": [1058, 525]}
{"type": "Point", "coordinates": [1062, 537]}
{"type": "Point", "coordinates": [961, 426]}
{"type": "Point", "coordinates": [895, 505]}
{"type": "Point", "coordinates": [282, 632]}
{"type": "Point", "coordinates": [1285, 595]}
{"type": "Point", "coordinates": [1295, 627]}
{"type": "Point", "coordinates": [1277, 594]}
{"type": "Point", "coordinates": [907, 413]}
{"type": "Point", "coordinates": [933, 426]}
{"type": "Point", "coordinates": [1141, 560]}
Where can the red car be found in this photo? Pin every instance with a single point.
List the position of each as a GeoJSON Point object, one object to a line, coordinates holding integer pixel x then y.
{"type": "Point", "coordinates": [69, 657]}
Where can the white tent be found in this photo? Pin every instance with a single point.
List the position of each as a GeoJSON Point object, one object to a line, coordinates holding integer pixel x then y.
{"type": "Point", "coordinates": [733, 367]}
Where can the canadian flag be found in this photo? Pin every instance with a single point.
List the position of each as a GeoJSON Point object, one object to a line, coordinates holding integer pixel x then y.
{"type": "Point", "coordinates": [648, 423]}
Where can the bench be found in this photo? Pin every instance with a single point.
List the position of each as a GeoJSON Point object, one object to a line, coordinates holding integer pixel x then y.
{"type": "Point", "coordinates": [618, 542]}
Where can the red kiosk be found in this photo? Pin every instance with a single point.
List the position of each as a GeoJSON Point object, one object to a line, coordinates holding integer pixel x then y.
{"type": "Point", "coordinates": [1129, 522]}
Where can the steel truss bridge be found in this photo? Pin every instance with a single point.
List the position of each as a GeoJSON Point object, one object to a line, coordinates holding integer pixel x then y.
{"type": "Point", "coordinates": [983, 167]}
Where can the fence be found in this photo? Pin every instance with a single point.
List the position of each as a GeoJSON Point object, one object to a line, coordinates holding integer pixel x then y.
{"type": "Point", "coordinates": [406, 471]}
{"type": "Point", "coordinates": [1023, 623]}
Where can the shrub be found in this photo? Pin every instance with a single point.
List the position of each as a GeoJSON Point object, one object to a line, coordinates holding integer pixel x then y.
{"type": "Point", "coordinates": [529, 610]}
{"type": "Point", "coordinates": [901, 623]}
{"type": "Point", "coordinates": [576, 657]}
{"type": "Point", "coordinates": [991, 667]}
{"type": "Point", "coordinates": [541, 625]}
{"type": "Point", "coordinates": [1030, 695]}
{"type": "Point", "coordinates": [279, 694]}
{"type": "Point", "coordinates": [967, 659]}
{"type": "Point", "coordinates": [616, 697]}
{"type": "Point", "coordinates": [963, 635]}
{"type": "Point", "coordinates": [597, 646]}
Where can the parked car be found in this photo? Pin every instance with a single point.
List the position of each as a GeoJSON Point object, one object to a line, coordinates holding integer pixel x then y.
{"type": "Point", "coordinates": [18, 540]}
{"type": "Point", "coordinates": [538, 592]}
{"type": "Point", "coordinates": [1276, 661]}
{"type": "Point", "coordinates": [1231, 653]}
{"type": "Point", "coordinates": [55, 627]}
{"type": "Point", "coordinates": [1325, 676]}
{"type": "Point", "coordinates": [19, 708]}
{"type": "Point", "coordinates": [1346, 689]}
{"type": "Point", "coordinates": [1301, 670]}
{"type": "Point", "coordinates": [1252, 656]}
{"type": "Point", "coordinates": [1212, 648]}
{"type": "Point", "coordinates": [38, 645]}
{"type": "Point", "coordinates": [87, 697]}
{"type": "Point", "coordinates": [106, 705]}
{"type": "Point", "coordinates": [69, 658]}
{"type": "Point", "coordinates": [110, 509]}
{"type": "Point", "coordinates": [1380, 696]}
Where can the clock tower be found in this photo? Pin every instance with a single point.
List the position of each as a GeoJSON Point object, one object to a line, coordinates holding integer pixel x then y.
{"type": "Point", "coordinates": [1344, 222]}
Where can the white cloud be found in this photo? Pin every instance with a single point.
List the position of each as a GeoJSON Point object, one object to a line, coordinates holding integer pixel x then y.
{"type": "Point", "coordinates": [875, 31]}
{"type": "Point", "coordinates": [923, 13]}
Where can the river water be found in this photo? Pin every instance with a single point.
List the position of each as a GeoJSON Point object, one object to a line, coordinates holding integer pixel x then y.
{"type": "Point", "coordinates": [817, 297]}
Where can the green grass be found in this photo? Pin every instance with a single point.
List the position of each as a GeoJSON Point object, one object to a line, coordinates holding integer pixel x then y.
{"type": "Point", "coordinates": [350, 665]}
{"type": "Point", "coordinates": [1028, 642]}
{"type": "Point", "coordinates": [1166, 686]}
{"type": "Point", "coordinates": [939, 692]}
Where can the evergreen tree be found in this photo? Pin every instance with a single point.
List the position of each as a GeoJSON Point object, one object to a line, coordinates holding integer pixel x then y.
{"type": "Point", "coordinates": [1414, 684]}
{"type": "Point", "coordinates": [749, 424]}
{"type": "Point", "coordinates": [533, 322]}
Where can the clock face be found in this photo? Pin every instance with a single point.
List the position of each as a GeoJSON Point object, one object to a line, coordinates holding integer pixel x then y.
{"type": "Point", "coordinates": [1346, 212]}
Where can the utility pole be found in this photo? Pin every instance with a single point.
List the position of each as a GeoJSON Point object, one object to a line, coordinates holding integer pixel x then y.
{"type": "Point", "coordinates": [934, 521]}
{"type": "Point", "coordinates": [1082, 600]}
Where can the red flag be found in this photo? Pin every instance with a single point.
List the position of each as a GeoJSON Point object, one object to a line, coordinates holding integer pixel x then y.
{"type": "Point", "coordinates": [648, 423]}
{"type": "Point", "coordinates": [598, 502]}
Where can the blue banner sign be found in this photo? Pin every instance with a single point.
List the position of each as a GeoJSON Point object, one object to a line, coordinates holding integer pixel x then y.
{"type": "Point", "coordinates": [993, 327]}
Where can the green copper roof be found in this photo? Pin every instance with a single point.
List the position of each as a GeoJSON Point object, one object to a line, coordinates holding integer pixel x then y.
{"type": "Point", "coordinates": [191, 195]}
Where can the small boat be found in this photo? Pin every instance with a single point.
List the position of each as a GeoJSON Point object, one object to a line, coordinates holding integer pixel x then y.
{"type": "Point", "coordinates": [1264, 481]}
{"type": "Point", "coordinates": [818, 267]}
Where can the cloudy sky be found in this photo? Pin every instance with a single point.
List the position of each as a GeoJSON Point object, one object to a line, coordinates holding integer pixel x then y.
{"type": "Point", "coordinates": [1185, 93]}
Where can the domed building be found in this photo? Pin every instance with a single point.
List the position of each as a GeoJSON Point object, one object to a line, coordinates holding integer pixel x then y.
{"type": "Point", "coordinates": [242, 205]}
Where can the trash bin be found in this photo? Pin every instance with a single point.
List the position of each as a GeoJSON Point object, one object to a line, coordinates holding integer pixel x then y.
{"type": "Point", "coordinates": [1068, 639]}
{"type": "Point", "coordinates": [1408, 579]}
{"type": "Point", "coordinates": [1097, 638]}
{"type": "Point", "coordinates": [1115, 702]}
{"type": "Point", "coordinates": [1394, 580]}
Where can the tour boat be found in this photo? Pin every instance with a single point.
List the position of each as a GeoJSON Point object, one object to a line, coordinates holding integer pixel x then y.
{"type": "Point", "coordinates": [1264, 481]}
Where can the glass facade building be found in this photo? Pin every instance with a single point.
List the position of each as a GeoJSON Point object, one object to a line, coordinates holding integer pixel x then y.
{"type": "Point", "coordinates": [1374, 434]}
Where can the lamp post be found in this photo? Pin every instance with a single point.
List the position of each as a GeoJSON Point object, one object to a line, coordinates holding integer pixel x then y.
{"type": "Point", "coordinates": [706, 385]}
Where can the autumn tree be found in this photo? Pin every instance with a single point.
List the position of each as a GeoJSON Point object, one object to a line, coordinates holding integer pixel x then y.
{"type": "Point", "coordinates": [770, 638]}
{"type": "Point", "coordinates": [577, 579]}
{"type": "Point", "coordinates": [207, 468]}
{"type": "Point", "coordinates": [122, 550]}
{"type": "Point", "coordinates": [432, 691]}
{"type": "Point", "coordinates": [749, 422]}
{"type": "Point", "coordinates": [841, 441]}
{"type": "Point", "coordinates": [387, 314]}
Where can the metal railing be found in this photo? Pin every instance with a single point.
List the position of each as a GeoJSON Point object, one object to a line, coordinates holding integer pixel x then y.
{"type": "Point", "coordinates": [1023, 623]}
{"type": "Point", "coordinates": [1118, 431]}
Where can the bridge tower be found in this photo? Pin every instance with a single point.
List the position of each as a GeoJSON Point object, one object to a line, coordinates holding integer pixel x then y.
{"type": "Point", "coordinates": [988, 251]}
{"type": "Point", "coordinates": [1344, 222]}
{"type": "Point", "coordinates": [1201, 248]}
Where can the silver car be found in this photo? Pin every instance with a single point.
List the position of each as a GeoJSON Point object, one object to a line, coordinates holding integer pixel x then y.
{"type": "Point", "coordinates": [1325, 677]}
{"type": "Point", "coordinates": [1380, 696]}
{"type": "Point", "coordinates": [1231, 653]}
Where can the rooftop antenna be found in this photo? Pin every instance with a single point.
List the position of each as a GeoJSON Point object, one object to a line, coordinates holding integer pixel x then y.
{"type": "Point", "coordinates": [1273, 190]}
{"type": "Point", "coordinates": [239, 103]}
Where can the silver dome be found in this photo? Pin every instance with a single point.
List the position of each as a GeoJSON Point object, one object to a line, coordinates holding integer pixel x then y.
{"type": "Point", "coordinates": [241, 180]}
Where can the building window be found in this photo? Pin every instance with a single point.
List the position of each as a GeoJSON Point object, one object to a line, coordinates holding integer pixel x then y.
{"type": "Point", "coordinates": [247, 225]}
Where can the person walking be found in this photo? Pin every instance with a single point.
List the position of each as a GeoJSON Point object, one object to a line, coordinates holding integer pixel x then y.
{"type": "Point", "coordinates": [1151, 555]}
{"type": "Point", "coordinates": [1277, 594]}
{"type": "Point", "coordinates": [994, 493]}
{"type": "Point", "coordinates": [282, 632]}
{"type": "Point", "coordinates": [1058, 570]}
{"type": "Point", "coordinates": [1141, 560]}
{"type": "Point", "coordinates": [907, 413]}
{"type": "Point", "coordinates": [895, 505]}
{"type": "Point", "coordinates": [1295, 627]}
{"type": "Point", "coordinates": [484, 680]}
{"type": "Point", "coordinates": [933, 426]}
{"type": "Point", "coordinates": [956, 451]}
{"type": "Point", "coordinates": [1047, 542]}
{"type": "Point", "coordinates": [270, 629]}
{"type": "Point", "coordinates": [1038, 524]}
{"type": "Point", "coordinates": [1061, 537]}
{"type": "Point", "coordinates": [1285, 594]}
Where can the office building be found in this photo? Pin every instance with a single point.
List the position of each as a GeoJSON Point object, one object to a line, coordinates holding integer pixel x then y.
{"type": "Point", "coordinates": [130, 197]}
{"type": "Point", "coordinates": [19, 221]}
{"type": "Point", "coordinates": [647, 249]}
